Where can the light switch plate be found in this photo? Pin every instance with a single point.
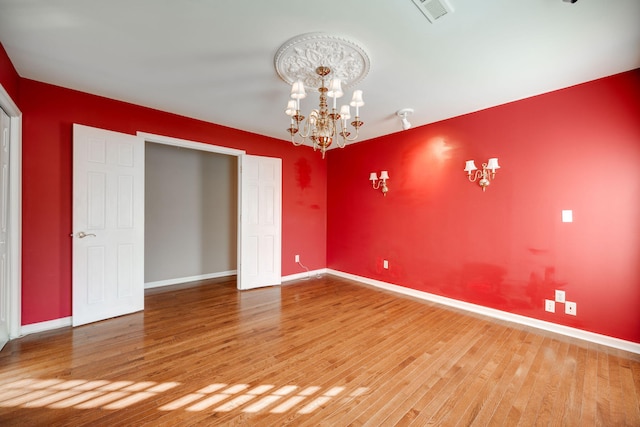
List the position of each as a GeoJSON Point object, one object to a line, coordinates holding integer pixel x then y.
{"type": "Point", "coordinates": [550, 306]}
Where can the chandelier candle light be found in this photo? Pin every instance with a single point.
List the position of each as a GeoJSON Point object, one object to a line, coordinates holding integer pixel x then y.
{"type": "Point", "coordinates": [487, 173]}
{"type": "Point", "coordinates": [322, 125]}
{"type": "Point", "coordinates": [324, 63]}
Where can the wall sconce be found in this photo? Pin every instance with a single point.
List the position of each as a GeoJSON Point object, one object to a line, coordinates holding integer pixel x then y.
{"type": "Point", "coordinates": [488, 171]}
{"type": "Point", "coordinates": [382, 183]}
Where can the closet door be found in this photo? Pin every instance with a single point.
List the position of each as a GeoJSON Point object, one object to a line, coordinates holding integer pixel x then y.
{"type": "Point", "coordinates": [259, 246]}
{"type": "Point", "coordinates": [108, 224]}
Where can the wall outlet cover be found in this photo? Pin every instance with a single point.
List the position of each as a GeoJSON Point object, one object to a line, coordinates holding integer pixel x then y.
{"type": "Point", "coordinates": [570, 308]}
{"type": "Point", "coordinates": [550, 306]}
{"type": "Point", "coordinates": [560, 296]}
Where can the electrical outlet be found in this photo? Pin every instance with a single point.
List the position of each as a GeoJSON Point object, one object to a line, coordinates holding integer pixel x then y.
{"type": "Point", "coordinates": [570, 308]}
{"type": "Point", "coordinates": [550, 306]}
{"type": "Point", "coordinates": [385, 264]}
{"type": "Point", "coordinates": [560, 296]}
{"type": "Point", "coordinates": [297, 258]}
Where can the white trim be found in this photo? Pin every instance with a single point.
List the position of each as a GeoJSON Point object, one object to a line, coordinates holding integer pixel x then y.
{"type": "Point", "coordinates": [160, 283]}
{"type": "Point", "coordinates": [184, 143]}
{"type": "Point", "coordinates": [34, 328]}
{"type": "Point", "coordinates": [14, 267]}
{"type": "Point", "coordinates": [497, 314]}
{"type": "Point", "coordinates": [304, 275]}
{"type": "Point", "coordinates": [193, 145]}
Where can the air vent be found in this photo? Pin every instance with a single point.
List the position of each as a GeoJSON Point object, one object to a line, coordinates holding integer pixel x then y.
{"type": "Point", "coordinates": [434, 9]}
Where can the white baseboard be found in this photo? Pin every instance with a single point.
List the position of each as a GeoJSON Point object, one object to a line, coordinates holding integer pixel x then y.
{"type": "Point", "coordinates": [474, 308]}
{"type": "Point", "coordinates": [497, 314]}
{"type": "Point", "coordinates": [304, 275]}
{"type": "Point", "coordinates": [45, 326]}
{"type": "Point", "coordinates": [179, 280]}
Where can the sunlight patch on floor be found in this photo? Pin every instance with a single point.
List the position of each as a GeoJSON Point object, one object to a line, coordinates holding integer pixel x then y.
{"type": "Point", "coordinates": [218, 397]}
{"type": "Point", "coordinates": [260, 398]}
{"type": "Point", "coordinates": [79, 394]}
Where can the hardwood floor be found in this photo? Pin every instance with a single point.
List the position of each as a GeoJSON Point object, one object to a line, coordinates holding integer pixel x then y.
{"type": "Point", "coordinates": [324, 351]}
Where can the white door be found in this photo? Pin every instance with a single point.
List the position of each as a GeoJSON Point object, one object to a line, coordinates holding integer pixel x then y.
{"type": "Point", "coordinates": [108, 224]}
{"type": "Point", "coordinates": [259, 245]}
{"type": "Point", "coordinates": [4, 209]}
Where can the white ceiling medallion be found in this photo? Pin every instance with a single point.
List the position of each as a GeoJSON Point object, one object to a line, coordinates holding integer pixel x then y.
{"type": "Point", "coordinates": [299, 57]}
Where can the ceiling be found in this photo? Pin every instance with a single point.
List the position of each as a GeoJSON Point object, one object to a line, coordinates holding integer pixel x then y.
{"type": "Point", "coordinates": [214, 59]}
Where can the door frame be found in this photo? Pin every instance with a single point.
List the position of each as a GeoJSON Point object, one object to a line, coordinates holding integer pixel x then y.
{"type": "Point", "coordinates": [14, 225]}
{"type": "Point", "coordinates": [200, 146]}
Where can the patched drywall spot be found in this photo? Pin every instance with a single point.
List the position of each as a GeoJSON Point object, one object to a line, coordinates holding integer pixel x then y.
{"type": "Point", "coordinates": [303, 173]}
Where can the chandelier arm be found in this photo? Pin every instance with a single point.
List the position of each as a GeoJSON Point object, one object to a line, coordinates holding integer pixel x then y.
{"type": "Point", "coordinates": [302, 136]}
{"type": "Point", "coordinates": [296, 143]}
{"type": "Point", "coordinates": [340, 133]}
{"type": "Point", "coordinates": [353, 138]}
{"type": "Point", "coordinates": [344, 134]}
{"type": "Point", "coordinates": [306, 130]}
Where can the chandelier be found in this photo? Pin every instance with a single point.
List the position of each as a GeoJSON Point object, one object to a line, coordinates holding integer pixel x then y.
{"type": "Point", "coordinates": [322, 63]}
{"type": "Point", "coordinates": [322, 125]}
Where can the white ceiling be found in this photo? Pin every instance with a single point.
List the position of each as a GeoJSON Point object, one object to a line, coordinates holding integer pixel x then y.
{"type": "Point", "coordinates": [214, 59]}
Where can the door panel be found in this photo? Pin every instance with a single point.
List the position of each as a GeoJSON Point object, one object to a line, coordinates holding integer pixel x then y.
{"type": "Point", "coordinates": [260, 222]}
{"type": "Point", "coordinates": [4, 209]}
{"type": "Point", "coordinates": [108, 224]}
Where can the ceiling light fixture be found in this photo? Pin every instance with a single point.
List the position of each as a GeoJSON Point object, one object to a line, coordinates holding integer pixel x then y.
{"type": "Point", "coordinates": [322, 125]}
{"type": "Point", "coordinates": [403, 117]}
{"type": "Point", "coordinates": [322, 63]}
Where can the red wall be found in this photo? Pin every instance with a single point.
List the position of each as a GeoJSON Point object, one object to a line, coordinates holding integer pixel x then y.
{"type": "Point", "coordinates": [8, 75]}
{"type": "Point", "coordinates": [48, 115]}
{"type": "Point", "coordinates": [577, 148]}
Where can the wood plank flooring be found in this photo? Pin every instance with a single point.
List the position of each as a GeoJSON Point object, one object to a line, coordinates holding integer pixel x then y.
{"type": "Point", "coordinates": [318, 352]}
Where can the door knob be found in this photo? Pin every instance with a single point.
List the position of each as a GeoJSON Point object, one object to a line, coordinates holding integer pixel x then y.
{"type": "Point", "coordinates": [82, 234]}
